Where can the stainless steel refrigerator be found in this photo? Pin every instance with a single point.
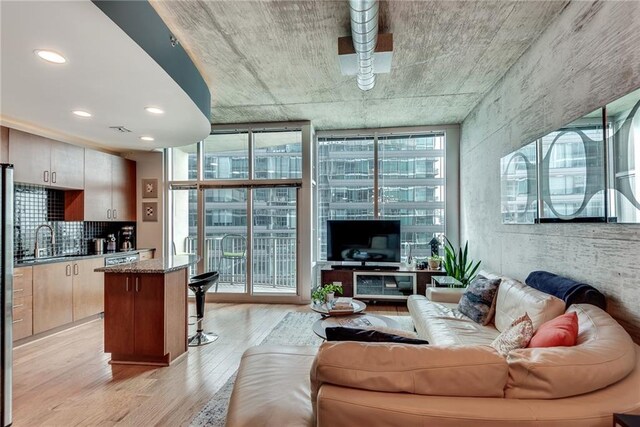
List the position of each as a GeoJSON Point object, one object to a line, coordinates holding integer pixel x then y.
{"type": "Point", "coordinates": [6, 288]}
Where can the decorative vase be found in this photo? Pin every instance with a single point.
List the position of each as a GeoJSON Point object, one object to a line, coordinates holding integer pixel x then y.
{"type": "Point", "coordinates": [330, 296]}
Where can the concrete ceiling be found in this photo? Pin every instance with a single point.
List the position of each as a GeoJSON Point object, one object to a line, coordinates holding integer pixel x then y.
{"type": "Point", "coordinates": [277, 60]}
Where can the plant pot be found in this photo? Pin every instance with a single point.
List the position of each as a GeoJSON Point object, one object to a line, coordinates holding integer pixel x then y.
{"type": "Point", "coordinates": [434, 264]}
{"type": "Point", "coordinates": [330, 296]}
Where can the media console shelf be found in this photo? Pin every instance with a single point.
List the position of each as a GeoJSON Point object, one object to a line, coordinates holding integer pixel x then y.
{"type": "Point", "coordinates": [380, 285]}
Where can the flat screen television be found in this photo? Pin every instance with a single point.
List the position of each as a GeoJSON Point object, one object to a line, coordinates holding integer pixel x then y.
{"type": "Point", "coordinates": [365, 241]}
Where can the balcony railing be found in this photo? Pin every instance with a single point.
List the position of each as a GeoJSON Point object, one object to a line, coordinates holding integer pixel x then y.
{"type": "Point", "coordinates": [274, 261]}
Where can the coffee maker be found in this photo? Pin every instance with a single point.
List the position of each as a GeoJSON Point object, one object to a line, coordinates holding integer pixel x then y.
{"type": "Point", "coordinates": [127, 238]}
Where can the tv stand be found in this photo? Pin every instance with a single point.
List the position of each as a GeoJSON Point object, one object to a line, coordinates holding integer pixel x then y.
{"type": "Point", "coordinates": [379, 283]}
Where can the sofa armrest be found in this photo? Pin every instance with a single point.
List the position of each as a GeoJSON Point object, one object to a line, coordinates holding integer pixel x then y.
{"type": "Point", "coordinates": [447, 295]}
{"type": "Point", "coordinates": [418, 369]}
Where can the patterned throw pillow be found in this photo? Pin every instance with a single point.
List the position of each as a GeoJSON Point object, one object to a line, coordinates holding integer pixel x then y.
{"type": "Point", "coordinates": [478, 302]}
{"type": "Point", "coordinates": [515, 336]}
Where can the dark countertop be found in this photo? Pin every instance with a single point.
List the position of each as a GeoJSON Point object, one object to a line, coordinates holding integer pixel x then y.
{"type": "Point", "coordinates": [153, 266]}
{"type": "Point", "coordinates": [67, 258]}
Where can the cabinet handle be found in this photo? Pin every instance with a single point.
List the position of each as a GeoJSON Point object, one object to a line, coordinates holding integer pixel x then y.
{"type": "Point", "coordinates": [137, 285]}
{"type": "Point", "coordinates": [15, 291]}
{"type": "Point", "coordinates": [18, 274]}
{"type": "Point", "coordinates": [53, 177]}
{"type": "Point", "coordinates": [46, 176]}
{"type": "Point", "coordinates": [18, 306]}
{"type": "Point", "coordinates": [68, 269]}
{"type": "Point", "coordinates": [108, 213]}
{"type": "Point", "coordinates": [18, 320]}
{"type": "Point", "coordinates": [115, 214]}
{"type": "Point", "coordinates": [127, 285]}
{"type": "Point", "coordinates": [75, 269]}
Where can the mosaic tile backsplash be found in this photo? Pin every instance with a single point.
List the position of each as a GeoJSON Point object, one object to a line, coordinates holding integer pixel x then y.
{"type": "Point", "coordinates": [36, 205]}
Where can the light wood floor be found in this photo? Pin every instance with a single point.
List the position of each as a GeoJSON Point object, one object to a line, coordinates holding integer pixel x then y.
{"type": "Point", "coordinates": [65, 380]}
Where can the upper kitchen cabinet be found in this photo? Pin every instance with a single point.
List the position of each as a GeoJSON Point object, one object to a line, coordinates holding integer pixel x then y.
{"type": "Point", "coordinates": [110, 187]}
{"type": "Point", "coordinates": [43, 161]}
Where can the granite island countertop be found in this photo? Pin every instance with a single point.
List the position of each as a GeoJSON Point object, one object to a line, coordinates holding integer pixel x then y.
{"type": "Point", "coordinates": [153, 266]}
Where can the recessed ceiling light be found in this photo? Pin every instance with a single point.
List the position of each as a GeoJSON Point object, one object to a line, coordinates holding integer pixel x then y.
{"type": "Point", "coordinates": [154, 110]}
{"type": "Point", "coordinates": [50, 56]}
{"type": "Point", "coordinates": [81, 113]}
{"type": "Point", "coordinates": [146, 138]}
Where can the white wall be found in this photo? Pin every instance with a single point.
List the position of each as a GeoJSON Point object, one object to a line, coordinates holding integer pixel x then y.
{"type": "Point", "coordinates": [587, 57]}
{"type": "Point", "coordinates": [150, 234]}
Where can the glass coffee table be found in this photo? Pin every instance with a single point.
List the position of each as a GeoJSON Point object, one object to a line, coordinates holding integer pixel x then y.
{"type": "Point", "coordinates": [358, 307]}
{"type": "Point", "coordinates": [359, 321]}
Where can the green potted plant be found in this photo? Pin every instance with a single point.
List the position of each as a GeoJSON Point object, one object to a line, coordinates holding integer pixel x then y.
{"type": "Point", "coordinates": [457, 265]}
{"type": "Point", "coordinates": [325, 293]}
{"type": "Point", "coordinates": [434, 262]}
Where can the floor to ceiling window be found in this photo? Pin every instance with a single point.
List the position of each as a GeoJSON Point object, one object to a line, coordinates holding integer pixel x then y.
{"type": "Point", "coordinates": [384, 175]}
{"type": "Point", "coordinates": [234, 201]}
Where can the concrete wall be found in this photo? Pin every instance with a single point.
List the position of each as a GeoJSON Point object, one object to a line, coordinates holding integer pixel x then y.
{"type": "Point", "coordinates": [588, 56]}
{"type": "Point", "coordinates": [150, 234]}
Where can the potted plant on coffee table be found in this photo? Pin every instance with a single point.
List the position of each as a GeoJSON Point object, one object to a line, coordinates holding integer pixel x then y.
{"type": "Point", "coordinates": [325, 293]}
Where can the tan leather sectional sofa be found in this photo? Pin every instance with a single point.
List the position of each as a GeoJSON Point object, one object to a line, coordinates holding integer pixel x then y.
{"type": "Point", "coordinates": [457, 380]}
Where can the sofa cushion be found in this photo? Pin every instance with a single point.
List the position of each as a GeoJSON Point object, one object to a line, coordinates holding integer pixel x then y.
{"type": "Point", "coordinates": [515, 336]}
{"type": "Point", "coordinates": [443, 324]}
{"type": "Point", "coordinates": [478, 302]}
{"type": "Point", "coordinates": [603, 355]}
{"type": "Point", "coordinates": [419, 369]}
{"type": "Point", "coordinates": [559, 332]}
{"type": "Point", "coordinates": [273, 387]}
{"type": "Point", "coordinates": [515, 298]}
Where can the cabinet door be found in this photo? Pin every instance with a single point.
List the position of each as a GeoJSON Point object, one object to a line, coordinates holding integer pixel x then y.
{"type": "Point", "coordinates": [31, 158]}
{"type": "Point", "coordinates": [118, 314]}
{"type": "Point", "coordinates": [97, 186]}
{"type": "Point", "coordinates": [123, 189]}
{"type": "Point", "coordinates": [88, 288]}
{"type": "Point", "coordinates": [67, 166]}
{"type": "Point", "coordinates": [52, 296]}
{"type": "Point", "coordinates": [22, 303]}
{"type": "Point", "coordinates": [149, 314]}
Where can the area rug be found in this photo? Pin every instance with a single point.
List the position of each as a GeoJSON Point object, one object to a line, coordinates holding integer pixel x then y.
{"type": "Point", "coordinates": [294, 329]}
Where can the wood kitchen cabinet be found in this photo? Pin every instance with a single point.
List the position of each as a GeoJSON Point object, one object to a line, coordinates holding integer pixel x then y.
{"type": "Point", "coordinates": [88, 288]}
{"type": "Point", "coordinates": [52, 296]}
{"type": "Point", "coordinates": [22, 302]}
{"type": "Point", "coordinates": [145, 317]}
{"type": "Point", "coordinates": [123, 189]}
{"type": "Point", "coordinates": [110, 187]}
{"type": "Point", "coordinates": [43, 161]}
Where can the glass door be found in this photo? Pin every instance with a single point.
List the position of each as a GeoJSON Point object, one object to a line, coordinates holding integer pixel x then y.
{"type": "Point", "coordinates": [226, 237]}
{"type": "Point", "coordinates": [274, 240]}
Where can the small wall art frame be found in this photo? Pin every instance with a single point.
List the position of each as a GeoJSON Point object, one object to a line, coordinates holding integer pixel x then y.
{"type": "Point", "coordinates": [150, 211]}
{"type": "Point", "coordinates": [150, 188]}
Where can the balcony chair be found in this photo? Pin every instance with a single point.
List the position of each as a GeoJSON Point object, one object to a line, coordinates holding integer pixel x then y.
{"type": "Point", "coordinates": [200, 284]}
{"type": "Point", "coordinates": [234, 248]}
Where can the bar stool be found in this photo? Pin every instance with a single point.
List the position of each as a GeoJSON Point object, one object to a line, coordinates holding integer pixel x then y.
{"type": "Point", "coordinates": [199, 285]}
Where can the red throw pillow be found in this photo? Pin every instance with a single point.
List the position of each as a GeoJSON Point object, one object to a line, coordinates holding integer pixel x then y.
{"type": "Point", "coordinates": [559, 332]}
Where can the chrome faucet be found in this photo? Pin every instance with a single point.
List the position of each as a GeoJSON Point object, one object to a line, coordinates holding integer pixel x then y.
{"type": "Point", "coordinates": [37, 253]}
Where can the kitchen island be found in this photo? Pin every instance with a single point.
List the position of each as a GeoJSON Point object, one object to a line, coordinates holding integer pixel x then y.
{"type": "Point", "coordinates": [145, 310]}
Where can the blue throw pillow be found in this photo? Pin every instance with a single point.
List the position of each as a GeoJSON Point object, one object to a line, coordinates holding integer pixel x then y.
{"type": "Point", "coordinates": [477, 303]}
